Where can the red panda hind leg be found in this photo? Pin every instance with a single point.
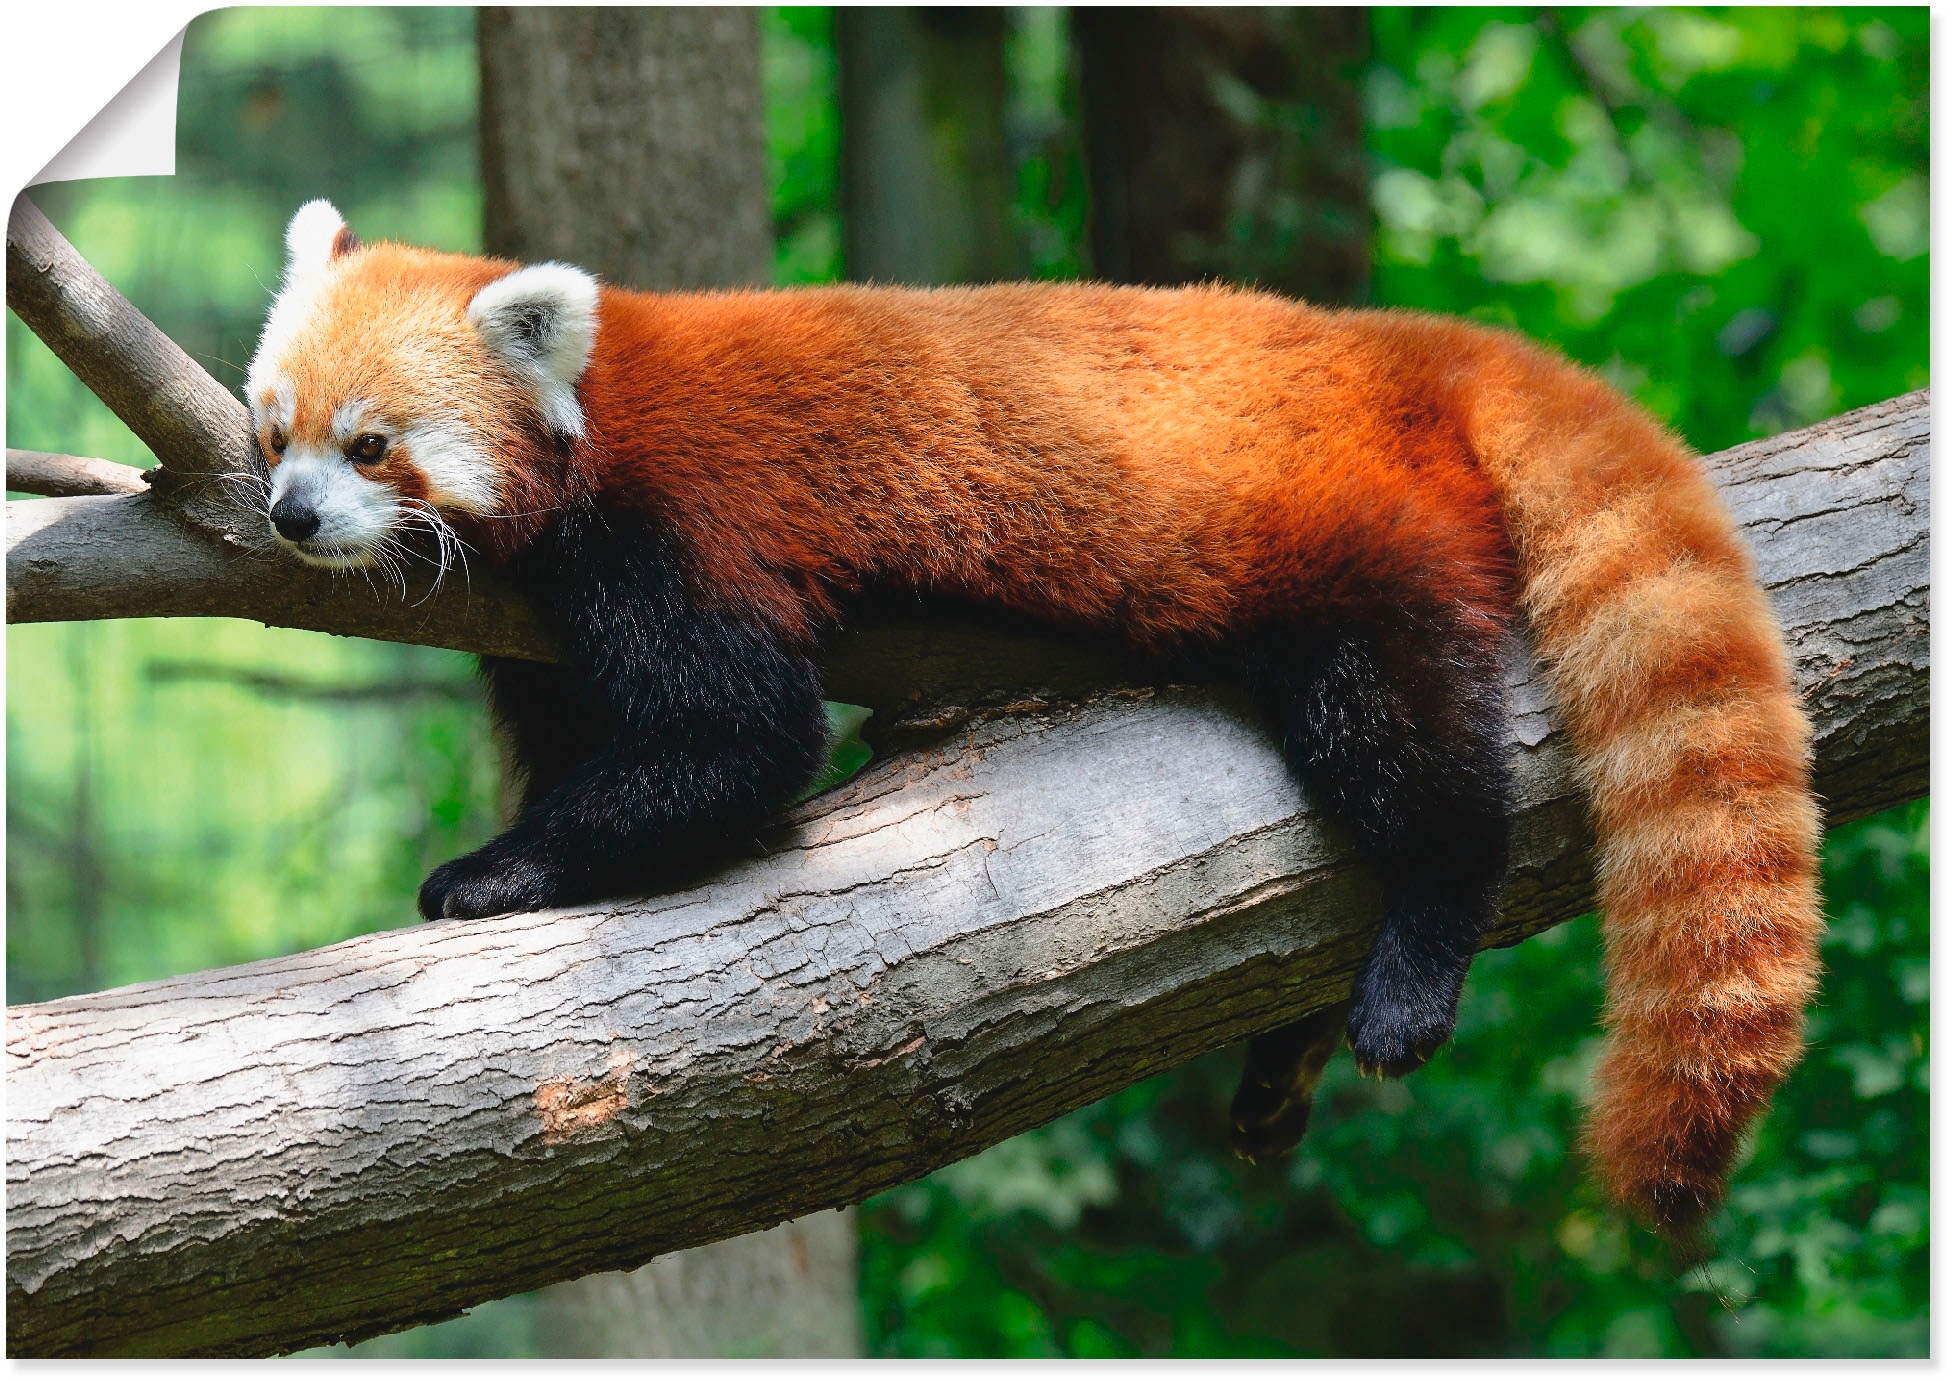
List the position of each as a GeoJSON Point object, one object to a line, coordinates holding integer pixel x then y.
{"type": "Point", "coordinates": [1395, 722]}
{"type": "Point", "coordinates": [1277, 1085]}
{"type": "Point", "coordinates": [671, 728]}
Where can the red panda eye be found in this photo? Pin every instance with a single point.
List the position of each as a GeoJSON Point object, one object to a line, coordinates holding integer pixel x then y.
{"type": "Point", "coordinates": [279, 441]}
{"type": "Point", "coordinates": [367, 447]}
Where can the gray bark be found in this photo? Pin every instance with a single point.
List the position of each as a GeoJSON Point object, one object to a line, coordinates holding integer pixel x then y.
{"type": "Point", "coordinates": [925, 176]}
{"type": "Point", "coordinates": [62, 477]}
{"type": "Point", "coordinates": [134, 557]}
{"type": "Point", "coordinates": [964, 942]}
{"type": "Point", "coordinates": [567, 97]}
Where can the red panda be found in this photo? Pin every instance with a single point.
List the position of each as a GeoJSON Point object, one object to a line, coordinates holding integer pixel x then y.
{"type": "Point", "coordinates": [1345, 510]}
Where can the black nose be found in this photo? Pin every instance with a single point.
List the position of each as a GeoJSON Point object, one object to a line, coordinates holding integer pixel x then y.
{"type": "Point", "coordinates": [294, 520]}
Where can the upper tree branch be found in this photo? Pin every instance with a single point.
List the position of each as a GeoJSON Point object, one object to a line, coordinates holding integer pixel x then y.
{"type": "Point", "coordinates": [957, 946]}
{"type": "Point", "coordinates": [171, 403]}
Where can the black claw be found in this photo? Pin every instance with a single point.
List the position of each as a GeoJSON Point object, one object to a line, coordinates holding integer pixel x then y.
{"type": "Point", "coordinates": [1266, 1124]}
{"type": "Point", "coordinates": [481, 885]}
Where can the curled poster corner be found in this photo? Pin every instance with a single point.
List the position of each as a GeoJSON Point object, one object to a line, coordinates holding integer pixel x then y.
{"type": "Point", "coordinates": [134, 135]}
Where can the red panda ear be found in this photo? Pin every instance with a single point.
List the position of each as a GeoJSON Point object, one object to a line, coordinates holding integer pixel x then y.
{"type": "Point", "coordinates": [541, 322]}
{"type": "Point", "coordinates": [317, 235]}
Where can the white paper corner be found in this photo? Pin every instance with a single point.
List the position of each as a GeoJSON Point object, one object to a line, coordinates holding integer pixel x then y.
{"type": "Point", "coordinates": [134, 135]}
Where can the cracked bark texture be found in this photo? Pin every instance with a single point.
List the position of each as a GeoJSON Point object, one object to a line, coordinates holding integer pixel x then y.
{"type": "Point", "coordinates": [1043, 906]}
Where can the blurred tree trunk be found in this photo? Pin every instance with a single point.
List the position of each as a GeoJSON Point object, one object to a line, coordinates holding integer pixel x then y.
{"type": "Point", "coordinates": [789, 1291]}
{"type": "Point", "coordinates": [631, 142]}
{"type": "Point", "coordinates": [925, 178]}
{"type": "Point", "coordinates": [1227, 143]}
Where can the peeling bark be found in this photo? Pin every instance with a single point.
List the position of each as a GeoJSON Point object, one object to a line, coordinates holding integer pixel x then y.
{"type": "Point", "coordinates": [1052, 901]}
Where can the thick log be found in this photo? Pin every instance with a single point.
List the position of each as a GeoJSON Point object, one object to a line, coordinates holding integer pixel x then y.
{"type": "Point", "coordinates": [959, 945]}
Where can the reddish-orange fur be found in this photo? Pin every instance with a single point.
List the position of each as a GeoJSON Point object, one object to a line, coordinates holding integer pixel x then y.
{"type": "Point", "coordinates": [1183, 463]}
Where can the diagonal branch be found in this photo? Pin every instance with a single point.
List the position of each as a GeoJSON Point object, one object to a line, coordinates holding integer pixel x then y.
{"type": "Point", "coordinates": [959, 945]}
{"type": "Point", "coordinates": [195, 428]}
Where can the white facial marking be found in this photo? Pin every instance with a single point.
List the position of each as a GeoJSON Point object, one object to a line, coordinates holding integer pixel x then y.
{"type": "Point", "coordinates": [352, 418]}
{"type": "Point", "coordinates": [458, 471]}
{"type": "Point", "coordinates": [273, 405]}
{"type": "Point", "coordinates": [354, 512]}
{"type": "Point", "coordinates": [541, 321]}
{"type": "Point", "coordinates": [284, 403]}
{"type": "Point", "coordinates": [308, 247]}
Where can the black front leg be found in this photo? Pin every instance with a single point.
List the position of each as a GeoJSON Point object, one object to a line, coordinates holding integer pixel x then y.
{"type": "Point", "coordinates": [699, 722]}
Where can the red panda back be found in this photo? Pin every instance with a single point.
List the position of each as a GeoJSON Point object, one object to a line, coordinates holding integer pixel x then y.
{"type": "Point", "coordinates": [1177, 463]}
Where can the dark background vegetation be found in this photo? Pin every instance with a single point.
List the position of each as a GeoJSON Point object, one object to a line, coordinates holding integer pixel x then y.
{"type": "Point", "coordinates": [1725, 213]}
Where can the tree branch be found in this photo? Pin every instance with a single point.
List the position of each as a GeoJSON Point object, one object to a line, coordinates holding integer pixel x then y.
{"type": "Point", "coordinates": [50, 473]}
{"type": "Point", "coordinates": [957, 946]}
{"type": "Point", "coordinates": [129, 557]}
{"type": "Point", "coordinates": [195, 428]}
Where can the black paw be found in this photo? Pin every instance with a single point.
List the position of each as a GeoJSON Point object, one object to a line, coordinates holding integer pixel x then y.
{"type": "Point", "coordinates": [487, 883]}
{"type": "Point", "coordinates": [1266, 1122]}
{"type": "Point", "coordinates": [1392, 1034]}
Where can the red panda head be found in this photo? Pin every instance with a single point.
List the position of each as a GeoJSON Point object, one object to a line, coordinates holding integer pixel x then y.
{"type": "Point", "coordinates": [396, 388]}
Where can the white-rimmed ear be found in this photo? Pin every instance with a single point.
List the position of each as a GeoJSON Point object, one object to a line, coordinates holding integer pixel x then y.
{"type": "Point", "coordinates": [317, 235]}
{"type": "Point", "coordinates": [541, 321]}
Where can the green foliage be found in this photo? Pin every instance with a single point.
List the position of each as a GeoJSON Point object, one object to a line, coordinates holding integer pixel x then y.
{"type": "Point", "coordinates": [848, 753]}
{"type": "Point", "coordinates": [1725, 212]}
{"type": "Point", "coordinates": [218, 824]}
{"type": "Point", "coordinates": [802, 141]}
{"type": "Point", "coordinates": [1042, 130]}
